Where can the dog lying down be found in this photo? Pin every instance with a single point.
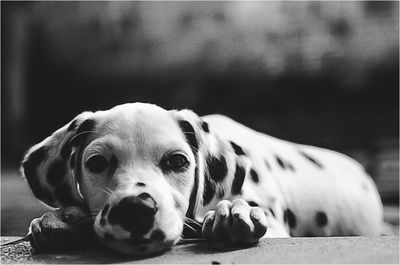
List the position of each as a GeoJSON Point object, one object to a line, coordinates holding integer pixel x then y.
{"type": "Point", "coordinates": [138, 174]}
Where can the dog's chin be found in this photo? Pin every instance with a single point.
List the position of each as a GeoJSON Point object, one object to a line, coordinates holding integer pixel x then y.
{"type": "Point", "coordinates": [138, 245]}
{"type": "Point", "coordinates": [135, 243]}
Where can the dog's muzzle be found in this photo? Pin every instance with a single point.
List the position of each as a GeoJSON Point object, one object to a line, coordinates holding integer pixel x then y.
{"type": "Point", "coordinates": [135, 214]}
{"type": "Point", "coordinates": [132, 225]}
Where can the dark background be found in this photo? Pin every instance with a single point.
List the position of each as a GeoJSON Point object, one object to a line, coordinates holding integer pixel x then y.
{"type": "Point", "coordinates": [320, 73]}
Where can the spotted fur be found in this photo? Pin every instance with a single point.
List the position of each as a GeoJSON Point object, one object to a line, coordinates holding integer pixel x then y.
{"type": "Point", "coordinates": [302, 190]}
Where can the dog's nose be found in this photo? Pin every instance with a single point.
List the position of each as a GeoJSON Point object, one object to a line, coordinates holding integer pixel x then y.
{"type": "Point", "coordinates": [134, 213]}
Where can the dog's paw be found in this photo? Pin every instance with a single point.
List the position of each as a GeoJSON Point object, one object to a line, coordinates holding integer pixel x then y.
{"type": "Point", "coordinates": [234, 222]}
{"type": "Point", "coordinates": [63, 229]}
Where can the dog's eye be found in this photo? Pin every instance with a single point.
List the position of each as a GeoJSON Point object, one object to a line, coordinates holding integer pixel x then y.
{"type": "Point", "coordinates": [176, 161]}
{"type": "Point", "coordinates": [97, 163]}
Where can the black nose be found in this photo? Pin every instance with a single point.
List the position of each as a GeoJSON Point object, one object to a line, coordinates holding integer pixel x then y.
{"type": "Point", "coordinates": [134, 213]}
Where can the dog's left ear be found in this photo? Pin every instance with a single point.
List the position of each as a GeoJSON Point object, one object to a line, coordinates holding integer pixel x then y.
{"type": "Point", "coordinates": [221, 165]}
{"type": "Point", "coordinates": [191, 126]}
{"type": "Point", "coordinates": [48, 165]}
{"type": "Point", "coordinates": [194, 130]}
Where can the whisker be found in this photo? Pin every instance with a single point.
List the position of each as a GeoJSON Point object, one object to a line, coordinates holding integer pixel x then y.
{"type": "Point", "coordinates": [194, 148]}
{"type": "Point", "coordinates": [190, 227]}
{"type": "Point", "coordinates": [189, 132]}
{"type": "Point", "coordinates": [192, 221]}
{"type": "Point", "coordinates": [191, 232]}
{"type": "Point", "coordinates": [109, 193]}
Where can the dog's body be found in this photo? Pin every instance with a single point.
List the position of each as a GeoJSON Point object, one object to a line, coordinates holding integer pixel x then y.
{"type": "Point", "coordinates": [142, 171]}
{"type": "Point", "coordinates": [324, 193]}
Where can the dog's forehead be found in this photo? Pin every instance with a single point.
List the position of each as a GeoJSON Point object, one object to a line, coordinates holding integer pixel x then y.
{"type": "Point", "coordinates": [140, 120]}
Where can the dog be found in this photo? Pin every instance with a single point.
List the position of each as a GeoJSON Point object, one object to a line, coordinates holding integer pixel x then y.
{"type": "Point", "coordinates": [136, 173]}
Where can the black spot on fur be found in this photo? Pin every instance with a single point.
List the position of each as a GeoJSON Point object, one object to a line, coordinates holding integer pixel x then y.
{"type": "Point", "coordinates": [31, 164]}
{"type": "Point", "coordinates": [72, 125]}
{"type": "Point", "coordinates": [280, 162]}
{"type": "Point", "coordinates": [64, 195]}
{"type": "Point", "coordinates": [209, 191]}
{"type": "Point", "coordinates": [204, 125]}
{"type": "Point", "coordinates": [193, 194]}
{"type": "Point", "coordinates": [267, 164]}
{"type": "Point", "coordinates": [238, 150]}
{"type": "Point", "coordinates": [157, 235]}
{"type": "Point", "coordinates": [190, 135]}
{"type": "Point", "coordinates": [321, 219]}
{"type": "Point", "coordinates": [272, 211]}
{"type": "Point", "coordinates": [252, 204]}
{"type": "Point", "coordinates": [290, 166]}
{"type": "Point", "coordinates": [217, 168]}
{"type": "Point", "coordinates": [140, 184]}
{"type": "Point", "coordinates": [66, 150]}
{"type": "Point", "coordinates": [284, 164]}
{"type": "Point", "coordinates": [30, 167]}
{"type": "Point", "coordinates": [56, 172]}
{"type": "Point", "coordinates": [86, 126]}
{"type": "Point", "coordinates": [311, 159]}
{"type": "Point", "coordinates": [238, 180]}
{"type": "Point", "coordinates": [290, 218]}
{"type": "Point", "coordinates": [221, 193]}
{"type": "Point", "coordinates": [254, 175]}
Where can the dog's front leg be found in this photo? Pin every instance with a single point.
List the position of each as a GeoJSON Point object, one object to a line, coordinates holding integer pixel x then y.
{"type": "Point", "coordinates": [64, 229]}
{"type": "Point", "coordinates": [234, 222]}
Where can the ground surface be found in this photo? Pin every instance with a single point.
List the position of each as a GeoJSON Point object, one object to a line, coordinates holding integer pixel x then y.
{"type": "Point", "coordinates": [292, 250]}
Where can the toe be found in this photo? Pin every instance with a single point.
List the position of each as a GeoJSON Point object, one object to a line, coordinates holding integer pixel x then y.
{"type": "Point", "coordinates": [259, 220]}
{"type": "Point", "coordinates": [242, 226]}
{"type": "Point", "coordinates": [222, 225]}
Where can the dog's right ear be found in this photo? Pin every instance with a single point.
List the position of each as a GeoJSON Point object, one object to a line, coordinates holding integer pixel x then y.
{"type": "Point", "coordinates": [48, 165]}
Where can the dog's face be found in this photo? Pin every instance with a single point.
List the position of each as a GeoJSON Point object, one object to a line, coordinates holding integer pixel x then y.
{"type": "Point", "coordinates": [139, 169]}
{"type": "Point", "coordinates": [136, 172]}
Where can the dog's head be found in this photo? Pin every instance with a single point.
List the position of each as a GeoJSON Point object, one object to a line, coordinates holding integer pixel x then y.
{"type": "Point", "coordinates": [140, 169]}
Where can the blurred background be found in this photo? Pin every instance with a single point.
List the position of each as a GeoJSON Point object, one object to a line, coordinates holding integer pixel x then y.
{"type": "Point", "coordinates": [320, 73]}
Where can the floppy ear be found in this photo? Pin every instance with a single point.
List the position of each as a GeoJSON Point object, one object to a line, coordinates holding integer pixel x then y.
{"type": "Point", "coordinates": [48, 165]}
{"type": "Point", "coordinates": [190, 125]}
{"type": "Point", "coordinates": [221, 165]}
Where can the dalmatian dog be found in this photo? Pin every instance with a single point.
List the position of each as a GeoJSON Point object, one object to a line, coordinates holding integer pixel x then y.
{"type": "Point", "coordinates": [137, 173]}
